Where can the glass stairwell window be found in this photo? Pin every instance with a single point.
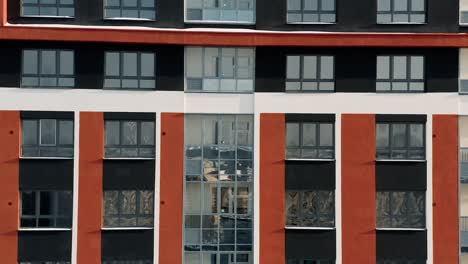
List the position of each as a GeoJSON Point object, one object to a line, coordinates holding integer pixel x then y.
{"type": "Point", "coordinates": [224, 11]}
{"type": "Point", "coordinates": [463, 156]}
{"type": "Point", "coordinates": [222, 70]}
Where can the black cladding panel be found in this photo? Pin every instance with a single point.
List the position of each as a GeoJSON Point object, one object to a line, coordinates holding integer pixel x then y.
{"type": "Point", "coordinates": [44, 245]}
{"type": "Point", "coordinates": [310, 244]}
{"type": "Point", "coordinates": [403, 176]}
{"type": "Point", "coordinates": [401, 244]}
{"type": "Point", "coordinates": [313, 175]}
{"type": "Point", "coordinates": [129, 174]}
{"type": "Point", "coordinates": [127, 244]}
{"type": "Point", "coordinates": [45, 174]}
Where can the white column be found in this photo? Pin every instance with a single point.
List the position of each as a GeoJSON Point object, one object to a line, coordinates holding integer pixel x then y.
{"type": "Point", "coordinates": [157, 187]}
{"type": "Point", "coordinates": [338, 188]}
{"type": "Point", "coordinates": [76, 176]}
{"type": "Point", "coordinates": [256, 232]}
{"type": "Point", "coordinates": [429, 226]}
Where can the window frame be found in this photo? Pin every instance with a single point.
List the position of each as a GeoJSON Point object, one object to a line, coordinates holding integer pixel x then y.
{"type": "Point", "coordinates": [318, 147]}
{"type": "Point", "coordinates": [57, 5]}
{"type": "Point", "coordinates": [318, 80]}
{"type": "Point", "coordinates": [391, 215]}
{"type": "Point", "coordinates": [55, 216]}
{"type": "Point", "coordinates": [303, 261]}
{"type": "Point", "coordinates": [302, 216]}
{"type": "Point", "coordinates": [137, 146]}
{"type": "Point", "coordinates": [225, 22]}
{"type": "Point", "coordinates": [319, 12]}
{"type": "Point", "coordinates": [407, 146]}
{"type": "Point", "coordinates": [40, 75]}
{"type": "Point", "coordinates": [119, 215]}
{"type": "Point", "coordinates": [409, 12]}
{"type": "Point", "coordinates": [38, 134]}
{"type": "Point", "coordinates": [399, 261]}
{"type": "Point", "coordinates": [121, 8]}
{"type": "Point", "coordinates": [218, 69]}
{"type": "Point", "coordinates": [122, 77]}
{"type": "Point", "coordinates": [408, 81]}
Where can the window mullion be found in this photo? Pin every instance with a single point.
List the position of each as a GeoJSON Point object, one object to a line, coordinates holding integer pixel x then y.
{"type": "Point", "coordinates": [38, 206]}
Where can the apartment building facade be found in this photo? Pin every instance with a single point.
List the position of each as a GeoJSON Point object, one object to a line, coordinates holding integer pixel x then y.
{"type": "Point", "coordinates": [233, 131]}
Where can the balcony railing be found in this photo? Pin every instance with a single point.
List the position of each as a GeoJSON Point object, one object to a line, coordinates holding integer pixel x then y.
{"type": "Point", "coordinates": [464, 165]}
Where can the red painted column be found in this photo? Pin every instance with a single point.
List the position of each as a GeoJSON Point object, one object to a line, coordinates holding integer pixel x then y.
{"type": "Point", "coordinates": [10, 140]}
{"type": "Point", "coordinates": [445, 188]}
{"type": "Point", "coordinates": [358, 189]}
{"type": "Point", "coordinates": [90, 187]}
{"type": "Point", "coordinates": [171, 188]}
{"type": "Point", "coordinates": [3, 12]}
{"type": "Point", "coordinates": [272, 188]}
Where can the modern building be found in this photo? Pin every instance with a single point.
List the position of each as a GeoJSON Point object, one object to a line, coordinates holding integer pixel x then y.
{"type": "Point", "coordinates": [233, 132]}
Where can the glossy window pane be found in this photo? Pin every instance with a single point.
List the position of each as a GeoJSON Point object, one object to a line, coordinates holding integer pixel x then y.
{"type": "Point", "coordinates": [112, 64]}
{"type": "Point", "coordinates": [130, 64]}
{"type": "Point", "coordinates": [293, 67]}
{"type": "Point", "coordinates": [147, 133]}
{"type": "Point", "coordinates": [309, 135]}
{"type": "Point", "coordinates": [129, 133]}
{"type": "Point", "coordinates": [66, 62]}
{"type": "Point", "coordinates": [399, 67]}
{"type": "Point", "coordinates": [292, 134]}
{"type": "Point", "coordinates": [48, 62]}
{"type": "Point", "coordinates": [29, 130]}
{"type": "Point", "coordinates": [383, 67]}
{"type": "Point", "coordinates": [309, 67]}
{"type": "Point", "coordinates": [30, 61]}
{"type": "Point", "coordinates": [66, 132]}
{"type": "Point", "coordinates": [326, 135]}
{"type": "Point", "coordinates": [147, 64]}
{"type": "Point", "coordinates": [417, 67]}
{"type": "Point", "coordinates": [112, 132]}
{"type": "Point", "coordinates": [47, 130]}
{"type": "Point", "coordinates": [326, 67]}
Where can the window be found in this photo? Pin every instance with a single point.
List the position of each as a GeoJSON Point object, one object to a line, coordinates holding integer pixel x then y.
{"type": "Point", "coordinates": [400, 141]}
{"type": "Point", "coordinates": [311, 11]}
{"type": "Point", "coordinates": [46, 209]}
{"type": "Point", "coordinates": [310, 208]}
{"type": "Point", "coordinates": [128, 208]}
{"type": "Point", "coordinates": [44, 262]}
{"type": "Point", "coordinates": [463, 12]}
{"type": "Point", "coordinates": [143, 9]}
{"type": "Point", "coordinates": [310, 140]}
{"type": "Point", "coordinates": [232, 11]}
{"type": "Point", "coordinates": [48, 68]}
{"type": "Point", "coordinates": [130, 70]}
{"type": "Point", "coordinates": [400, 74]}
{"type": "Point", "coordinates": [401, 11]}
{"type": "Point", "coordinates": [64, 8]}
{"type": "Point", "coordinates": [400, 261]}
{"type": "Point", "coordinates": [310, 261]}
{"type": "Point", "coordinates": [218, 197]}
{"type": "Point", "coordinates": [220, 69]}
{"type": "Point", "coordinates": [47, 138]}
{"type": "Point", "coordinates": [401, 209]}
{"type": "Point", "coordinates": [129, 139]}
{"type": "Point", "coordinates": [310, 73]}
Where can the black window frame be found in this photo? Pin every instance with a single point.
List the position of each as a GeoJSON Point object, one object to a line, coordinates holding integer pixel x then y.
{"type": "Point", "coordinates": [40, 5]}
{"type": "Point", "coordinates": [138, 145]}
{"type": "Point", "coordinates": [409, 12]}
{"type": "Point", "coordinates": [318, 147]}
{"type": "Point", "coordinates": [119, 215]}
{"type": "Point", "coordinates": [390, 214]}
{"type": "Point", "coordinates": [54, 216]}
{"type": "Point", "coordinates": [121, 8]}
{"type": "Point", "coordinates": [408, 81]}
{"type": "Point", "coordinates": [40, 75]}
{"type": "Point", "coordinates": [319, 12]}
{"type": "Point", "coordinates": [44, 148]}
{"type": "Point", "coordinates": [302, 216]}
{"type": "Point", "coordinates": [121, 77]}
{"type": "Point", "coordinates": [407, 146]}
{"type": "Point", "coordinates": [318, 80]}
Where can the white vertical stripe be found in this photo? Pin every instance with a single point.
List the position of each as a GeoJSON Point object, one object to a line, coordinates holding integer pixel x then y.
{"type": "Point", "coordinates": [338, 188]}
{"type": "Point", "coordinates": [256, 234]}
{"type": "Point", "coordinates": [76, 176]}
{"type": "Point", "coordinates": [429, 217]}
{"type": "Point", "coordinates": [157, 189]}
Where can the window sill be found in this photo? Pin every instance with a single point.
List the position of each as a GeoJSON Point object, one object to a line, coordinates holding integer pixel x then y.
{"type": "Point", "coordinates": [128, 158]}
{"type": "Point", "coordinates": [400, 229]}
{"type": "Point", "coordinates": [39, 16]}
{"type": "Point", "coordinates": [399, 160]}
{"type": "Point", "coordinates": [318, 160]}
{"type": "Point", "coordinates": [128, 19]}
{"type": "Point", "coordinates": [47, 87]}
{"type": "Point", "coordinates": [308, 228]}
{"type": "Point", "coordinates": [309, 91]}
{"type": "Point", "coordinates": [130, 89]}
{"type": "Point", "coordinates": [399, 92]}
{"type": "Point", "coordinates": [311, 23]}
{"type": "Point", "coordinates": [219, 92]}
{"type": "Point", "coordinates": [246, 23]}
{"type": "Point", "coordinates": [43, 229]}
{"type": "Point", "coordinates": [125, 228]}
{"type": "Point", "coordinates": [401, 23]}
{"type": "Point", "coordinates": [46, 158]}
